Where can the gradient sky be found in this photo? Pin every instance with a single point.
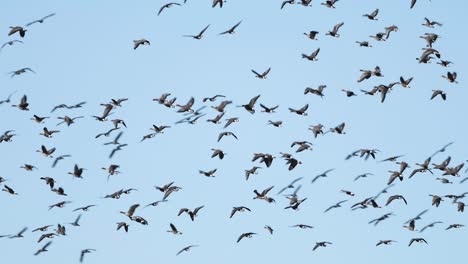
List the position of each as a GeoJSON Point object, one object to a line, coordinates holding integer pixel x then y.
{"type": "Point", "coordinates": [85, 53]}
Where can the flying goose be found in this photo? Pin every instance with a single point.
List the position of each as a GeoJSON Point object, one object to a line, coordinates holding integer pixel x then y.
{"type": "Point", "coordinates": [263, 75]}
{"type": "Point", "coordinates": [17, 29]}
{"type": "Point", "coordinates": [40, 21]}
{"type": "Point", "coordinates": [245, 235]}
{"type": "Point", "coordinates": [312, 56]}
{"type": "Point", "coordinates": [334, 31]}
{"type": "Point", "coordinates": [373, 15]}
{"type": "Point", "coordinates": [238, 209]}
{"type": "Point", "coordinates": [232, 29]}
{"type": "Point", "coordinates": [168, 5]}
{"type": "Point", "coordinates": [199, 35]}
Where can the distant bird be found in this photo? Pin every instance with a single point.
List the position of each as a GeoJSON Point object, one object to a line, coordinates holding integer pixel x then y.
{"type": "Point", "coordinates": [17, 29]}
{"type": "Point", "coordinates": [223, 134]}
{"type": "Point", "coordinates": [322, 175]}
{"type": "Point", "coordinates": [10, 43]}
{"type": "Point", "coordinates": [250, 106]}
{"type": "Point", "coordinates": [312, 56]}
{"type": "Point", "coordinates": [232, 30]}
{"type": "Point", "coordinates": [59, 158]}
{"type": "Point", "coordinates": [20, 71]}
{"type": "Point", "coordinates": [68, 120]}
{"type": "Point", "coordinates": [429, 225]}
{"type": "Point", "coordinates": [263, 75]}
{"type": "Point", "coordinates": [199, 35]}
{"type": "Point", "coordinates": [212, 99]}
{"type": "Point", "coordinates": [191, 213]}
{"type": "Point", "coordinates": [385, 242]}
{"type": "Point", "coordinates": [118, 148]}
{"type": "Point", "coordinates": [208, 173]}
{"type": "Point", "coordinates": [300, 111]}
{"type": "Point", "coordinates": [418, 240]}
{"type": "Point", "coordinates": [19, 234]}
{"type": "Point", "coordinates": [41, 20]}
{"type": "Point", "coordinates": [312, 34]}
{"type": "Point", "coordinates": [337, 205]}
{"type": "Point", "coordinates": [405, 83]}
{"type": "Point", "coordinates": [59, 205]}
{"type": "Point", "coordinates": [430, 23]}
{"type": "Point", "coordinates": [329, 3]}
{"type": "Point", "coordinates": [451, 77]}
{"type": "Point", "coordinates": [84, 252]}
{"type": "Point", "coordinates": [245, 235]}
{"type": "Point", "coordinates": [373, 15]}
{"type": "Point", "coordinates": [140, 42]}
{"type": "Point", "coordinates": [185, 249]}
{"type": "Point", "coordinates": [77, 221]}
{"type": "Point", "coordinates": [78, 105]}
{"type": "Point", "coordinates": [269, 229]}
{"type": "Point", "coordinates": [454, 226]}
{"type": "Point", "coordinates": [380, 219]}
{"type": "Point", "coordinates": [218, 153]}
{"type": "Point", "coordinates": [334, 31]}
{"type": "Point", "coordinates": [395, 197]}
{"type": "Point", "coordinates": [174, 230]}
{"type": "Point", "coordinates": [238, 209]}
{"type": "Point", "coordinates": [43, 248]}
{"type": "Point", "coordinates": [364, 44]}
{"type": "Point", "coordinates": [124, 225]}
{"type": "Point", "coordinates": [168, 5]}
{"type": "Point", "coordinates": [84, 208]}
{"type": "Point", "coordinates": [321, 244]}
{"type": "Point", "coordinates": [23, 105]}
{"type": "Point", "coordinates": [442, 94]}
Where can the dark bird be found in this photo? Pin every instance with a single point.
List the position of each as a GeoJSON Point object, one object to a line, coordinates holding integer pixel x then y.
{"type": "Point", "coordinates": [238, 209]}
{"type": "Point", "coordinates": [373, 15]}
{"type": "Point", "coordinates": [185, 249]}
{"type": "Point", "coordinates": [84, 252]}
{"type": "Point", "coordinates": [395, 197]}
{"type": "Point", "coordinates": [23, 105]}
{"type": "Point", "coordinates": [17, 29]}
{"type": "Point", "coordinates": [250, 106]}
{"type": "Point", "coordinates": [43, 248]}
{"type": "Point", "coordinates": [212, 99]}
{"type": "Point", "coordinates": [245, 235]}
{"type": "Point", "coordinates": [200, 35]}
{"type": "Point", "coordinates": [191, 213]}
{"type": "Point", "coordinates": [300, 111]}
{"type": "Point", "coordinates": [263, 75]}
{"type": "Point", "coordinates": [321, 244]}
{"type": "Point", "coordinates": [312, 56]}
{"type": "Point", "coordinates": [222, 134]}
{"type": "Point", "coordinates": [442, 94]}
{"type": "Point", "coordinates": [168, 5]}
{"type": "Point", "coordinates": [232, 29]}
{"type": "Point", "coordinates": [312, 35]}
{"type": "Point", "coordinates": [334, 31]}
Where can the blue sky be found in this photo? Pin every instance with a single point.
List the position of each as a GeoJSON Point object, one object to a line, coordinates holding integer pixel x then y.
{"type": "Point", "coordinates": [85, 53]}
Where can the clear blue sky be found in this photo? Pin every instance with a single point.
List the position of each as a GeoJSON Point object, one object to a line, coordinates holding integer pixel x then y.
{"type": "Point", "coordinates": [85, 53]}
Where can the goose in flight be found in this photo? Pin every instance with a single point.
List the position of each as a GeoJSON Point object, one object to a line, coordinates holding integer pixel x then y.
{"type": "Point", "coordinates": [395, 197]}
{"type": "Point", "coordinates": [364, 44]}
{"type": "Point", "coordinates": [329, 3]}
{"type": "Point", "coordinates": [263, 75]}
{"type": "Point", "coordinates": [312, 34]}
{"type": "Point", "coordinates": [321, 244]}
{"type": "Point", "coordinates": [232, 30]}
{"type": "Point", "coordinates": [174, 230]}
{"type": "Point", "coordinates": [451, 77]}
{"type": "Point", "coordinates": [10, 43]}
{"type": "Point", "coordinates": [20, 71]}
{"type": "Point", "coordinates": [43, 248]}
{"type": "Point", "coordinates": [40, 20]}
{"type": "Point", "coordinates": [187, 107]}
{"type": "Point", "coordinates": [373, 15]}
{"type": "Point", "coordinates": [191, 213]}
{"type": "Point", "coordinates": [238, 209]}
{"type": "Point", "coordinates": [223, 134]}
{"type": "Point", "coordinates": [430, 23]}
{"type": "Point", "coordinates": [17, 29]}
{"type": "Point", "coordinates": [263, 195]}
{"type": "Point", "coordinates": [23, 104]}
{"type": "Point", "coordinates": [337, 205]}
{"type": "Point", "coordinates": [84, 252]}
{"type": "Point", "coordinates": [312, 56]}
{"type": "Point", "coordinates": [385, 242]}
{"type": "Point", "coordinates": [185, 249]}
{"type": "Point", "coordinates": [140, 42]}
{"type": "Point", "coordinates": [168, 5]}
{"type": "Point", "coordinates": [245, 235]}
{"type": "Point", "coordinates": [199, 35]}
{"type": "Point", "coordinates": [250, 106]}
{"type": "Point", "coordinates": [429, 225]}
{"type": "Point", "coordinates": [334, 31]}
{"type": "Point", "coordinates": [208, 173]}
{"type": "Point", "coordinates": [442, 94]}
{"type": "Point", "coordinates": [300, 111]}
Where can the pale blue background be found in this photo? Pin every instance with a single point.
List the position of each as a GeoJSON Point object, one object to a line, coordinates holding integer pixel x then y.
{"type": "Point", "coordinates": [85, 53]}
